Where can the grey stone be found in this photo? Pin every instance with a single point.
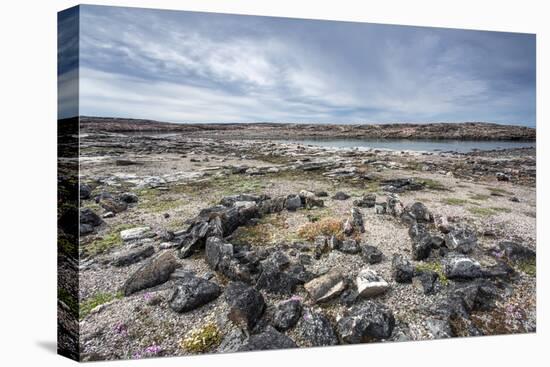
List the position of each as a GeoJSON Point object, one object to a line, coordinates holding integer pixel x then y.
{"type": "Point", "coordinates": [370, 320]}
{"type": "Point", "coordinates": [402, 269]}
{"type": "Point", "coordinates": [371, 254]}
{"type": "Point", "coordinates": [287, 314]}
{"type": "Point", "coordinates": [192, 292]}
{"type": "Point", "coordinates": [154, 272]}
{"type": "Point", "coordinates": [246, 305]}
{"type": "Point", "coordinates": [132, 256]}
{"type": "Point", "coordinates": [326, 287]}
{"type": "Point", "coordinates": [462, 240]}
{"type": "Point", "coordinates": [462, 267]}
{"type": "Point", "coordinates": [316, 329]}
{"type": "Point", "coordinates": [293, 202]}
{"type": "Point", "coordinates": [267, 340]}
{"type": "Point", "coordinates": [340, 196]}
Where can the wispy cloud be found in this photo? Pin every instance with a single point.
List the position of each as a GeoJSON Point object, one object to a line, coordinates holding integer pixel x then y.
{"type": "Point", "coordinates": [197, 67]}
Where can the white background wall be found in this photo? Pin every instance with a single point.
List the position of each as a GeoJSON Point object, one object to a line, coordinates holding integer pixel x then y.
{"type": "Point", "coordinates": [28, 181]}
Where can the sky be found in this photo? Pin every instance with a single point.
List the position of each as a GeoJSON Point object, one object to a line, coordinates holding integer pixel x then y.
{"type": "Point", "coordinates": [206, 67]}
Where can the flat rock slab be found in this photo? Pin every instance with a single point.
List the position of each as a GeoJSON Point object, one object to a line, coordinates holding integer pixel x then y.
{"type": "Point", "coordinates": [135, 234]}
{"type": "Point", "coordinates": [132, 256]}
{"type": "Point", "coordinates": [326, 287]}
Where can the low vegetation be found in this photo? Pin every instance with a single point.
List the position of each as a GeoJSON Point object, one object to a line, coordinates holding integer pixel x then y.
{"type": "Point", "coordinates": [323, 227]}
{"type": "Point", "coordinates": [98, 299]}
{"type": "Point", "coordinates": [435, 267]}
{"type": "Point", "coordinates": [106, 242]}
{"type": "Point", "coordinates": [202, 339]}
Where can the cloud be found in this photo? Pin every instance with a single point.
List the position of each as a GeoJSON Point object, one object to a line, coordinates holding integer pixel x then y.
{"type": "Point", "coordinates": [198, 67]}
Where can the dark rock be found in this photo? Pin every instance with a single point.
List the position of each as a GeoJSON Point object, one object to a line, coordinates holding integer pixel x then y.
{"type": "Point", "coordinates": [503, 176]}
{"type": "Point", "coordinates": [273, 280]}
{"type": "Point", "coordinates": [365, 322]}
{"type": "Point", "coordinates": [499, 270]}
{"type": "Point", "coordinates": [304, 259]}
{"type": "Point", "coordinates": [348, 297]}
{"type": "Point", "coordinates": [246, 304]}
{"type": "Point", "coordinates": [132, 256]}
{"type": "Point", "coordinates": [380, 208]}
{"type": "Point", "coordinates": [217, 251]}
{"type": "Point", "coordinates": [478, 295]}
{"type": "Point", "coordinates": [340, 196]}
{"type": "Point", "coordinates": [399, 185]}
{"type": "Point", "coordinates": [348, 227]}
{"type": "Point", "coordinates": [287, 314]}
{"type": "Point", "coordinates": [316, 329]}
{"type": "Point", "coordinates": [426, 281]}
{"type": "Point", "coordinates": [516, 252]}
{"type": "Point", "coordinates": [112, 205]}
{"type": "Point", "coordinates": [357, 220]}
{"type": "Point", "coordinates": [514, 199]}
{"type": "Point", "coordinates": [129, 198]}
{"type": "Point", "coordinates": [418, 212]}
{"type": "Point", "coordinates": [349, 246]}
{"type": "Point", "coordinates": [326, 287]}
{"type": "Point", "coordinates": [85, 191]}
{"type": "Point", "coordinates": [231, 200]}
{"type": "Point", "coordinates": [126, 162]}
{"type": "Point", "coordinates": [267, 340]}
{"type": "Point", "coordinates": [192, 292]}
{"type": "Point", "coordinates": [402, 269]}
{"type": "Point", "coordinates": [367, 201]}
{"type": "Point", "coordinates": [371, 254]}
{"type": "Point", "coordinates": [421, 246]}
{"type": "Point", "coordinates": [462, 240]}
{"type": "Point", "coordinates": [299, 273]}
{"type": "Point", "coordinates": [321, 194]}
{"type": "Point", "coordinates": [439, 328]}
{"type": "Point", "coordinates": [293, 202]}
{"type": "Point", "coordinates": [462, 267]}
{"type": "Point", "coordinates": [87, 216]}
{"type": "Point", "coordinates": [154, 272]}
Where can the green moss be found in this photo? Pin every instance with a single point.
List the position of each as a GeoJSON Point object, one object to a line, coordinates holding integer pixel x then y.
{"type": "Point", "coordinates": [435, 267]}
{"type": "Point", "coordinates": [431, 184]}
{"type": "Point", "coordinates": [454, 201]}
{"type": "Point", "coordinates": [202, 339]}
{"type": "Point", "coordinates": [107, 241]}
{"type": "Point", "coordinates": [98, 299]}
{"type": "Point", "coordinates": [485, 212]}
{"type": "Point", "coordinates": [501, 210]}
{"type": "Point", "coordinates": [70, 300]}
{"type": "Point", "coordinates": [528, 267]}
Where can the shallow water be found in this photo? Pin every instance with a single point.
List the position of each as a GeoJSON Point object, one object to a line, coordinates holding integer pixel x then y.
{"type": "Point", "coordinates": [460, 146]}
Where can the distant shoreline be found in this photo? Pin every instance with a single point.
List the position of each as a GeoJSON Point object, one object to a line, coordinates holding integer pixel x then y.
{"type": "Point", "coordinates": [413, 131]}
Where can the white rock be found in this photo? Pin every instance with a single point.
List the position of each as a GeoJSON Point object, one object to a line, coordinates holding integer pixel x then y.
{"type": "Point", "coordinates": [135, 233]}
{"type": "Point", "coordinates": [370, 284]}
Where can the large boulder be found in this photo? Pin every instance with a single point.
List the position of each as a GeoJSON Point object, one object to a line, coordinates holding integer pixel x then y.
{"type": "Point", "coordinates": [462, 267]}
{"type": "Point", "coordinates": [326, 287]}
{"type": "Point", "coordinates": [293, 202]}
{"type": "Point", "coordinates": [192, 292]}
{"type": "Point", "coordinates": [216, 251]}
{"type": "Point", "coordinates": [422, 246]}
{"type": "Point", "coordinates": [370, 320]}
{"type": "Point", "coordinates": [316, 330]}
{"type": "Point", "coordinates": [268, 339]}
{"type": "Point", "coordinates": [462, 240]}
{"type": "Point", "coordinates": [274, 280]}
{"type": "Point", "coordinates": [370, 284]}
{"type": "Point", "coordinates": [402, 269]}
{"type": "Point", "coordinates": [85, 191]}
{"type": "Point", "coordinates": [417, 212]}
{"type": "Point", "coordinates": [129, 198]}
{"type": "Point", "coordinates": [246, 305]}
{"type": "Point", "coordinates": [287, 314]}
{"type": "Point", "coordinates": [516, 252]}
{"type": "Point", "coordinates": [88, 221]}
{"type": "Point", "coordinates": [133, 255]}
{"type": "Point", "coordinates": [154, 272]}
